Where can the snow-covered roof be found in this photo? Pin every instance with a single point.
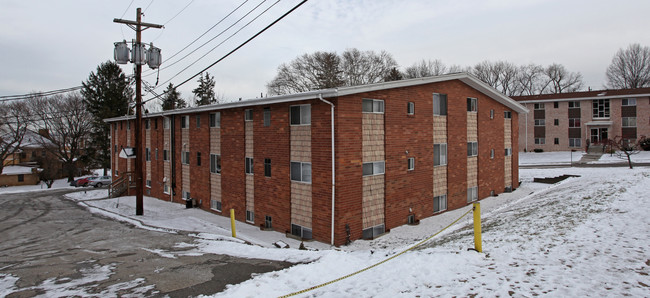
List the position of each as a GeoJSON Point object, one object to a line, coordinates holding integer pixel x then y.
{"type": "Point", "coordinates": [17, 170]}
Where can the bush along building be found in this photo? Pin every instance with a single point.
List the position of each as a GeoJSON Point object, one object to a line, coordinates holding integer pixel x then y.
{"type": "Point", "coordinates": [332, 165]}
{"type": "Point", "coordinates": [575, 120]}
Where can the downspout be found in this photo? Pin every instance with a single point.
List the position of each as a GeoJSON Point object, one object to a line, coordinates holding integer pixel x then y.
{"type": "Point", "coordinates": [526, 126]}
{"type": "Point", "coordinates": [172, 149]}
{"type": "Point", "coordinates": [320, 96]}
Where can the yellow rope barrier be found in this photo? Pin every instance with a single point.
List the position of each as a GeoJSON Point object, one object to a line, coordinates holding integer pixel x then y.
{"type": "Point", "coordinates": [379, 263]}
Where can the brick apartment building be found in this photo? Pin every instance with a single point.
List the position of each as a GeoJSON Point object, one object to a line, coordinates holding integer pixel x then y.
{"type": "Point", "coordinates": [404, 150]}
{"type": "Point", "coordinates": [561, 122]}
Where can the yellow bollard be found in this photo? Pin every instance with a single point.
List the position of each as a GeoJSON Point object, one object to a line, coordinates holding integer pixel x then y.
{"type": "Point", "coordinates": [477, 227]}
{"type": "Point", "coordinates": [232, 223]}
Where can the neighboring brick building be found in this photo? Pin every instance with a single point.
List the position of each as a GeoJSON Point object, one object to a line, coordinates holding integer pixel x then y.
{"type": "Point", "coordinates": [561, 122]}
{"type": "Point", "coordinates": [405, 150]}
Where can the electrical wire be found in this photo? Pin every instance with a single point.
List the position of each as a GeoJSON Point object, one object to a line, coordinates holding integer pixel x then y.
{"type": "Point", "coordinates": [35, 94]}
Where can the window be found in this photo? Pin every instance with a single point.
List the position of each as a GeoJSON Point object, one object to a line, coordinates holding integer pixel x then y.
{"type": "Point", "coordinates": [600, 108]}
{"type": "Point", "coordinates": [249, 165]}
{"type": "Point", "coordinates": [267, 167]}
{"type": "Point", "coordinates": [156, 153]}
{"type": "Point", "coordinates": [248, 115]}
{"type": "Point", "coordinates": [410, 108]}
{"type": "Point", "coordinates": [472, 149]}
{"type": "Point", "coordinates": [301, 171]}
{"type": "Point", "coordinates": [21, 177]}
{"type": "Point", "coordinates": [198, 158]}
{"type": "Point", "coordinates": [539, 106]}
{"type": "Point", "coordinates": [574, 104]}
{"type": "Point", "coordinates": [556, 104]}
{"type": "Point", "coordinates": [186, 195]}
{"type": "Point", "coordinates": [155, 123]}
{"type": "Point", "coordinates": [267, 116]}
{"type": "Point", "coordinates": [198, 121]}
{"type": "Point", "coordinates": [185, 121]}
{"type": "Point", "coordinates": [300, 115]}
{"type": "Point", "coordinates": [372, 232]}
{"type": "Point", "coordinates": [215, 205]}
{"type": "Point", "coordinates": [491, 114]}
{"type": "Point", "coordinates": [114, 150]}
{"type": "Point", "coordinates": [373, 168]}
{"type": "Point", "coordinates": [439, 203]}
{"type": "Point", "coordinates": [250, 216]}
{"type": "Point", "coordinates": [556, 122]}
{"type": "Point", "coordinates": [508, 151]}
{"type": "Point", "coordinates": [556, 141]}
{"type": "Point", "coordinates": [440, 104]}
{"type": "Point", "coordinates": [148, 183]}
{"type": "Point", "coordinates": [147, 124]}
{"type": "Point", "coordinates": [166, 188]}
{"type": "Point", "coordinates": [268, 222]}
{"type": "Point", "coordinates": [540, 141]}
{"type": "Point", "coordinates": [626, 102]}
{"type": "Point", "coordinates": [472, 194]}
{"type": "Point", "coordinates": [507, 115]}
{"type": "Point", "coordinates": [440, 154]}
{"type": "Point", "coordinates": [540, 122]}
{"type": "Point", "coordinates": [215, 163]}
{"type": "Point", "coordinates": [165, 155]}
{"type": "Point", "coordinates": [575, 142]}
{"type": "Point", "coordinates": [629, 121]}
{"type": "Point", "coordinates": [574, 122]}
{"type": "Point", "coordinates": [185, 157]}
{"type": "Point", "coordinates": [147, 154]}
{"type": "Point", "coordinates": [373, 106]}
{"type": "Point", "coordinates": [491, 153]}
{"type": "Point", "coordinates": [410, 163]}
{"type": "Point", "coordinates": [471, 104]}
{"type": "Point", "coordinates": [165, 123]}
{"type": "Point", "coordinates": [302, 232]}
{"type": "Point", "coordinates": [215, 119]}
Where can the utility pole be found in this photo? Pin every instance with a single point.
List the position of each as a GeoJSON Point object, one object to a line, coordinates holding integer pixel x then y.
{"type": "Point", "coordinates": [137, 58]}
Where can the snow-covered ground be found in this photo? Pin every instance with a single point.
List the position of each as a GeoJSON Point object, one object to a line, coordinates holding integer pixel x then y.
{"type": "Point", "coordinates": [58, 184]}
{"type": "Point", "coordinates": [643, 156]}
{"type": "Point", "coordinates": [566, 157]}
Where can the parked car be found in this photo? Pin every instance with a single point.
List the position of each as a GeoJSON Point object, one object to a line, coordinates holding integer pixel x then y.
{"type": "Point", "coordinates": [100, 181]}
{"type": "Point", "coordinates": [81, 181]}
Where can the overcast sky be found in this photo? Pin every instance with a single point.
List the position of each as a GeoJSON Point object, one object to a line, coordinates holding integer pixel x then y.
{"type": "Point", "coordinates": [47, 45]}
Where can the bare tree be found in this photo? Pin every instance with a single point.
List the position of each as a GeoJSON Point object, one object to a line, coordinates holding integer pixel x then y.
{"type": "Point", "coordinates": [625, 147]}
{"type": "Point", "coordinates": [559, 80]}
{"type": "Point", "coordinates": [13, 125]}
{"type": "Point", "coordinates": [501, 75]}
{"type": "Point", "coordinates": [65, 124]}
{"type": "Point", "coordinates": [362, 68]}
{"type": "Point", "coordinates": [425, 68]}
{"type": "Point", "coordinates": [630, 68]}
{"type": "Point", "coordinates": [529, 79]}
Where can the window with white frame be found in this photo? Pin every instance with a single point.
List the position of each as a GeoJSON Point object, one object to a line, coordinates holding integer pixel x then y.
{"type": "Point", "coordinates": [439, 104]}
{"type": "Point", "coordinates": [186, 195]}
{"type": "Point", "coordinates": [574, 122]}
{"type": "Point", "coordinates": [147, 154]}
{"type": "Point", "coordinates": [373, 168]}
{"type": "Point", "coordinates": [148, 183]}
{"type": "Point", "coordinates": [410, 108]}
{"type": "Point", "coordinates": [215, 163]}
{"type": "Point", "coordinates": [249, 165]}
{"type": "Point", "coordinates": [491, 114]}
{"type": "Point", "coordinates": [575, 142]}
{"type": "Point", "coordinates": [574, 104]}
{"type": "Point", "coordinates": [539, 106]}
{"type": "Point", "coordinates": [472, 149]}
{"type": "Point", "coordinates": [166, 188]}
{"type": "Point", "coordinates": [300, 171]}
{"type": "Point", "coordinates": [215, 205]}
{"type": "Point", "coordinates": [507, 114]}
{"type": "Point", "coordinates": [165, 155]}
{"type": "Point", "coordinates": [491, 153]}
{"type": "Point", "coordinates": [165, 123]}
{"type": "Point", "coordinates": [248, 115]}
{"type": "Point", "coordinates": [373, 106]}
{"type": "Point", "coordinates": [267, 116]}
{"type": "Point", "coordinates": [600, 108]}
{"type": "Point", "coordinates": [508, 151]}
{"type": "Point", "coordinates": [439, 203]}
{"type": "Point", "coordinates": [439, 154]}
{"type": "Point", "coordinates": [629, 121]}
{"type": "Point", "coordinates": [300, 115]}
{"type": "Point", "coordinates": [540, 141]}
{"type": "Point", "coordinates": [300, 231]}
{"type": "Point", "coordinates": [250, 216]}
{"type": "Point", "coordinates": [472, 194]}
{"type": "Point", "coordinates": [215, 119]}
{"type": "Point", "coordinates": [185, 157]}
{"type": "Point", "coordinates": [540, 122]}
{"type": "Point", "coordinates": [627, 102]}
{"type": "Point", "coordinates": [185, 121]}
{"type": "Point", "coordinates": [410, 163]}
{"type": "Point", "coordinates": [472, 105]}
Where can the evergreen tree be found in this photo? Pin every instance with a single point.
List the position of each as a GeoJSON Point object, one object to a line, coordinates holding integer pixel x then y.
{"type": "Point", "coordinates": [172, 99]}
{"type": "Point", "coordinates": [204, 93]}
{"type": "Point", "coordinates": [106, 93]}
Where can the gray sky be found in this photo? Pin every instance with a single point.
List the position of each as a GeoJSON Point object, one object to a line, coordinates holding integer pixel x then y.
{"type": "Point", "coordinates": [47, 45]}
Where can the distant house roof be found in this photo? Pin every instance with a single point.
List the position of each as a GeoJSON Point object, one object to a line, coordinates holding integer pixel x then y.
{"type": "Point", "coordinates": [33, 140]}
{"type": "Point", "coordinates": [468, 79]}
{"type": "Point", "coordinates": [17, 170]}
{"type": "Point", "coordinates": [584, 95]}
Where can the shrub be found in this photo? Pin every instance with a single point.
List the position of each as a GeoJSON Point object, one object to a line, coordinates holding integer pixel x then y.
{"type": "Point", "coordinates": [538, 150]}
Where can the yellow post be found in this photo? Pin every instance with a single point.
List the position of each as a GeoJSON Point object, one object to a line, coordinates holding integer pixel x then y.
{"type": "Point", "coordinates": [477, 227]}
{"type": "Point", "coordinates": [232, 222]}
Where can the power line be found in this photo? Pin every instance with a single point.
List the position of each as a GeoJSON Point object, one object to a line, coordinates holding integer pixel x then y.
{"type": "Point", "coordinates": [35, 94]}
{"type": "Point", "coordinates": [237, 48]}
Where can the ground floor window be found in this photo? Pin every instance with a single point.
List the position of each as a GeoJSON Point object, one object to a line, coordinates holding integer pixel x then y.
{"type": "Point", "coordinates": [148, 183]}
{"type": "Point", "coordinates": [21, 178]}
{"type": "Point", "coordinates": [439, 203]}
{"type": "Point", "coordinates": [372, 232]}
{"type": "Point", "coordinates": [302, 232]}
{"type": "Point", "coordinates": [215, 205]}
{"type": "Point", "coordinates": [166, 188]}
{"type": "Point", "coordinates": [186, 195]}
{"type": "Point", "coordinates": [575, 142]}
{"type": "Point", "coordinates": [540, 141]}
{"type": "Point", "coordinates": [250, 216]}
{"type": "Point", "coordinates": [268, 222]}
{"type": "Point", "coordinates": [472, 194]}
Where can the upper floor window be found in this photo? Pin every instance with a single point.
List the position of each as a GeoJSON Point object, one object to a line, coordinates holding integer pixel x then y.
{"type": "Point", "coordinates": [300, 171]}
{"type": "Point", "coordinates": [556, 104]}
{"type": "Point", "coordinates": [410, 108]}
{"type": "Point", "coordinates": [373, 106]}
{"type": "Point", "coordinates": [147, 124]}
{"type": "Point", "coordinates": [472, 149]}
{"type": "Point", "coordinates": [539, 106]}
{"type": "Point", "coordinates": [410, 164]}
{"type": "Point", "coordinates": [628, 102]}
{"type": "Point", "coordinates": [439, 154]}
{"type": "Point", "coordinates": [629, 121]}
{"type": "Point", "coordinates": [267, 116]}
{"type": "Point", "coordinates": [439, 104]}
{"type": "Point", "coordinates": [574, 104]}
{"type": "Point", "coordinates": [540, 122]}
{"type": "Point", "coordinates": [165, 123]}
{"type": "Point", "coordinates": [185, 157]}
{"type": "Point", "coordinates": [373, 168]}
{"type": "Point", "coordinates": [249, 165]}
{"type": "Point", "coordinates": [507, 114]}
{"type": "Point", "coordinates": [300, 115]}
{"type": "Point", "coordinates": [215, 163]}
{"type": "Point", "coordinates": [508, 151]}
{"type": "Point", "coordinates": [248, 115]}
{"type": "Point", "coordinates": [267, 167]}
{"type": "Point", "coordinates": [600, 108]}
{"type": "Point", "coordinates": [215, 119]}
{"type": "Point", "coordinates": [574, 122]}
{"type": "Point", "coordinates": [198, 121]}
{"type": "Point", "coordinates": [472, 104]}
{"type": "Point", "coordinates": [185, 121]}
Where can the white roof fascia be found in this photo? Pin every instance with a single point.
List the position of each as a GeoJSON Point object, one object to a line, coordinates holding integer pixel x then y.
{"type": "Point", "coordinates": [587, 98]}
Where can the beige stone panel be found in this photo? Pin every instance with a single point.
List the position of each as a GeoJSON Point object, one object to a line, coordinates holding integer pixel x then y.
{"type": "Point", "coordinates": [249, 138]}
{"type": "Point", "coordinates": [373, 201]}
{"type": "Point", "coordinates": [300, 142]}
{"type": "Point", "coordinates": [301, 204]}
{"type": "Point", "coordinates": [439, 129]}
{"type": "Point", "coordinates": [439, 180]}
{"type": "Point", "coordinates": [215, 140]}
{"type": "Point", "coordinates": [373, 137]}
{"type": "Point", "coordinates": [215, 187]}
{"type": "Point", "coordinates": [507, 133]}
{"type": "Point", "coordinates": [508, 171]}
{"type": "Point", "coordinates": [472, 127]}
{"type": "Point", "coordinates": [250, 192]}
{"type": "Point", "coordinates": [472, 171]}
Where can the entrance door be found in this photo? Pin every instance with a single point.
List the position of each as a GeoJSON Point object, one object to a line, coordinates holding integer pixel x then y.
{"type": "Point", "coordinates": [598, 135]}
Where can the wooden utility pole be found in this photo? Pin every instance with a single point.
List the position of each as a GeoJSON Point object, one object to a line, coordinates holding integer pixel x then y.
{"type": "Point", "coordinates": [138, 27]}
